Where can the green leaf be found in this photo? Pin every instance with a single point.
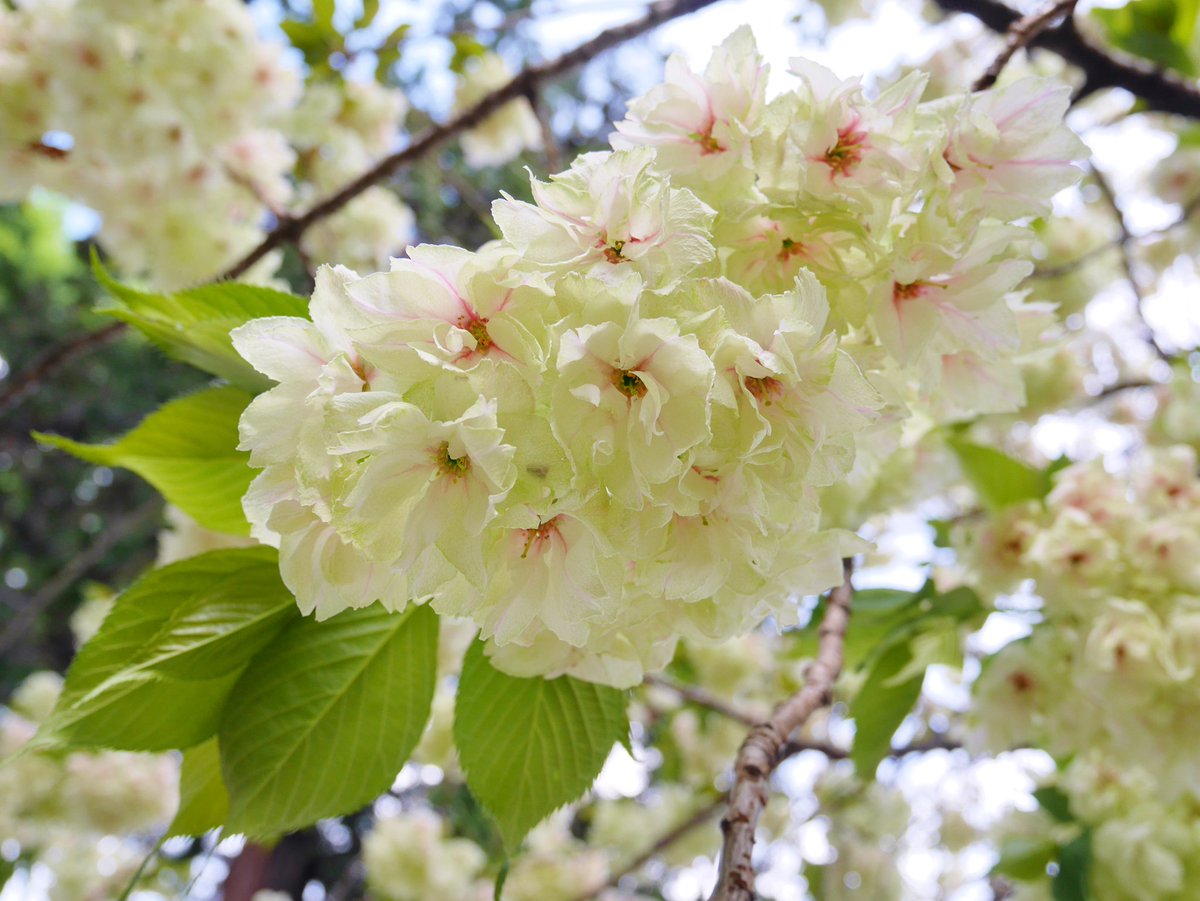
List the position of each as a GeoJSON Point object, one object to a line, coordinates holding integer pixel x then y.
{"type": "Point", "coordinates": [194, 325]}
{"type": "Point", "coordinates": [1024, 859]}
{"type": "Point", "coordinates": [999, 479]}
{"type": "Point", "coordinates": [881, 706]}
{"type": "Point", "coordinates": [187, 449]}
{"type": "Point", "coordinates": [1070, 883]}
{"type": "Point", "coordinates": [529, 746]}
{"type": "Point", "coordinates": [1158, 30]}
{"type": "Point", "coordinates": [203, 800]}
{"type": "Point", "coordinates": [874, 601]}
{"type": "Point", "coordinates": [466, 47]}
{"type": "Point", "coordinates": [157, 674]}
{"type": "Point", "coordinates": [370, 9]}
{"type": "Point", "coordinates": [322, 11]}
{"type": "Point", "coordinates": [309, 38]}
{"type": "Point", "coordinates": [322, 720]}
{"type": "Point", "coordinates": [1055, 802]}
{"type": "Point", "coordinates": [389, 49]}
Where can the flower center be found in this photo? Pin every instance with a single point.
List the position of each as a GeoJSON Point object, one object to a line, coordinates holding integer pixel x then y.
{"type": "Point", "coordinates": [907, 292]}
{"type": "Point", "coordinates": [453, 467]}
{"type": "Point", "coordinates": [708, 144]}
{"type": "Point", "coordinates": [613, 254]}
{"type": "Point", "coordinates": [537, 538]}
{"type": "Point", "coordinates": [847, 153]}
{"type": "Point", "coordinates": [628, 383]}
{"type": "Point", "coordinates": [476, 327]}
{"type": "Point", "coordinates": [765, 390]}
{"type": "Point", "coordinates": [788, 249]}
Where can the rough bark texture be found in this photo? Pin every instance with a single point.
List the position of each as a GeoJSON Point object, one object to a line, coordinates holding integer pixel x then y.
{"type": "Point", "coordinates": [767, 745]}
{"type": "Point", "coordinates": [1162, 91]}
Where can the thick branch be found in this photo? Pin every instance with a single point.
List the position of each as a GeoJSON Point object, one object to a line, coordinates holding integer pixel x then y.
{"type": "Point", "coordinates": [766, 745]}
{"type": "Point", "coordinates": [1019, 35]}
{"type": "Point", "coordinates": [1162, 91]}
{"type": "Point", "coordinates": [291, 229]}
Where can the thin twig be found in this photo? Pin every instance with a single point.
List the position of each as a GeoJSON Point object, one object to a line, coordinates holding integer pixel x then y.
{"type": "Point", "coordinates": [1126, 239]}
{"type": "Point", "coordinates": [290, 229]}
{"type": "Point", "coordinates": [17, 628]}
{"type": "Point", "coordinates": [1162, 91]}
{"type": "Point", "coordinates": [1020, 33]}
{"type": "Point", "coordinates": [51, 360]}
{"type": "Point", "coordinates": [529, 79]}
{"type": "Point", "coordinates": [701, 816]}
{"type": "Point", "coordinates": [702, 698]}
{"type": "Point", "coordinates": [550, 147]}
{"type": "Point", "coordinates": [762, 750]}
{"type": "Point", "coordinates": [1188, 211]}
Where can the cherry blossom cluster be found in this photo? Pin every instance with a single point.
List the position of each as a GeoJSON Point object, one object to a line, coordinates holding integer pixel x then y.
{"type": "Point", "coordinates": [608, 429]}
{"type": "Point", "coordinates": [1116, 562]}
{"type": "Point", "coordinates": [56, 809]}
{"type": "Point", "coordinates": [184, 128]}
{"type": "Point", "coordinates": [153, 114]}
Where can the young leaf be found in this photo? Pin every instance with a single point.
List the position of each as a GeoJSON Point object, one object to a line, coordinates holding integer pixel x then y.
{"type": "Point", "coordinates": [1070, 883]}
{"type": "Point", "coordinates": [1055, 802]}
{"type": "Point", "coordinates": [998, 478]}
{"type": "Point", "coordinates": [157, 674]}
{"type": "Point", "coordinates": [1024, 858]}
{"type": "Point", "coordinates": [203, 800]}
{"type": "Point", "coordinates": [322, 720]}
{"type": "Point", "coordinates": [194, 325]}
{"type": "Point", "coordinates": [529, 746]}
{"type": "Point", "coordinates": [187, 449]}
{"type": "Point", "coordinates": [881, 706]}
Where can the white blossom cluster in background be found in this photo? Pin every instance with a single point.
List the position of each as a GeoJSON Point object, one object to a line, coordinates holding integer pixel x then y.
{"type": "Point", "coordinates": [77, 818]}
{"type": "Point", "coordinates": [1109, 680]}
{"type": "Point", "coordinates": [607, 430]}
{"type": "Point", "coordinates": [184, 129]}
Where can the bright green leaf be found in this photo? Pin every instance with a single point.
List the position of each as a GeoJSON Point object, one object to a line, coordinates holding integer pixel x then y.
{"type": "Point", "coordinates": [187, 449]}
{"type": "Point", "coordinates": [194, 325]}
{"type": "Point", "coordinates": [1024, 858]}
{"type": "Point", "coordinates": [203, 800]}
{"type": "Point", "coordinates": [389, 49]}
{"type": "Point", "coordinates": [1074, 870]}
{"type": "Point", "coordinates": [1158, 30]}
{"type": "Point", "coordinates": [1055, 802]}
{"type": "Point", "coordinates": [157, 674]}
{"type": "Point", "coordinates": [999, 479]}
{"type": "Point", "coordinates": [322, 11]}
{"type": "Point", "coordinates": [322, 720]}
{"type": "Point", "coordinates": [529, 746]}
{"type": "Point", "coordinates": [880, 707]}
{"type": "Point", "coordinates": [874, 601]}
{"type": "Point", "coordinates": [370, 9]}
{"type": "Point", "coordinates": [466, 47]}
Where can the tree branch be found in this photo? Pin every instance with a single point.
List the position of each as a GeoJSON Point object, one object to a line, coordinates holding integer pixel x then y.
{"type": "Point", "coordinates": [1162, 91]}
{"type": "Point", "coordinates": [53, 359]}
{"type": "Point", "coordinates": [1019, 34]}
{"type": "Point", "coordinates": [702, 698]}
{"type": "Point", "coordinates": [523, 84]}
{"type": "Point", "coordinates": [764, 748]}
{"type": "Point", "coordinates": [699, 818]}
{"type": "Point", "coordinates": [1126, 238]}
{"type": "Point", "coordinates": [290, 229]}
